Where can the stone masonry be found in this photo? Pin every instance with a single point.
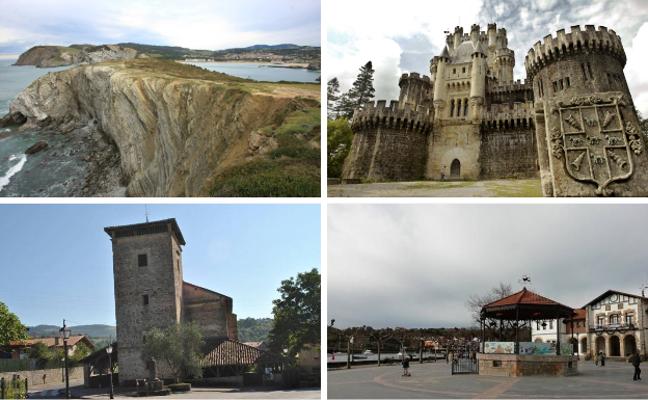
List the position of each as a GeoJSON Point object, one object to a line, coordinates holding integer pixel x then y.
{"type": "Point", "coordinates": [470, 120]}
{"type": "Point", "coordinates": [150, 292]}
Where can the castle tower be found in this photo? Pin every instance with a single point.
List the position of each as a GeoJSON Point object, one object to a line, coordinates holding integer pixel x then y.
{"type": "Point", "coordinates": [492, 35]}
{"type": "Point", "coordinates": [477, 84]}
{"type": "Point", "coordinates": [458, 37]}
{"type": "Point", "coordinates": [415, 90]}
{"type": "Point", "coordinates": [440, 85]}
{"type": "Point", "coordinates": [587, 130]}
{"type": "Point", "coordinates": [147, 268]}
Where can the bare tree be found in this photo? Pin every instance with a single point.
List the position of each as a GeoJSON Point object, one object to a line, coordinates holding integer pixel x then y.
{"type": "Point", "coordinates": [476, 302]}
{"type": "Point", "coordinates": [381, 336]}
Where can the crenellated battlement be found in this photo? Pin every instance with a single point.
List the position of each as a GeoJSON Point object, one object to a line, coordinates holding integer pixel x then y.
{"type": "Point", "coordinates": [590, 39]}
{"type": "Point", "coordinates": [395, 116]}
{"type": "Point", "coordinates": [424, 79]}
{"type": "Point", "coordinates": [518, 85]}
{"type": "Point", "coordinates": [502, 116]}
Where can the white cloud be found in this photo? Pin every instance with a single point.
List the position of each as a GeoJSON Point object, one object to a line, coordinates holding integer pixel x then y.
{"type": "Point", "coordinates": [359, 31]}
{"type": "Point", "coordinates": [635, 70]}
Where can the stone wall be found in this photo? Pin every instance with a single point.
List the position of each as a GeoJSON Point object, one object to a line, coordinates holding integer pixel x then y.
{"type": "Point", "coordinates": [454, 141]}
{"type": "Point", "coordinates": [508, 154]}
{"type": "Point", "coordinates": [42, 377]}
{"type": "Point", "coordinates": [211, 311]}
{"type": "Point", "coordinates": [525, 365]}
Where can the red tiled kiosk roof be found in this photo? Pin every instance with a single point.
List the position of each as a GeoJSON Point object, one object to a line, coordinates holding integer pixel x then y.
{"type": "Point", "coordinates": [525, 304]}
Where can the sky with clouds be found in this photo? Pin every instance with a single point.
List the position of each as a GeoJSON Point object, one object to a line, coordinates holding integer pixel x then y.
{"type": "Point", "coordinates": [415, 265]}
{"type": "Point", "coordinates": [405, 36]}
{"type": "Point", "coordinates": [196, 24]}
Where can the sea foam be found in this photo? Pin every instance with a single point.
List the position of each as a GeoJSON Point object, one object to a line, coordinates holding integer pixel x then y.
{"type": "Point", "coordinates": [22, 159]}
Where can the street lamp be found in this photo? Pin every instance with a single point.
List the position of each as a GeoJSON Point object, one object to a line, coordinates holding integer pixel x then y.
{"type": "Point", "coordinates": [65, 333]}
{"type": "Point", "coordinates": [109, 350]}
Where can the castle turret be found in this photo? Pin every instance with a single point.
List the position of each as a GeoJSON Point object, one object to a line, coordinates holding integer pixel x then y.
{"type": "Point", "coordinates": [474, 34]}
{"type": "Point", "coordinates": [492, 35]}
{"type": "Point", "coordinates": [589, 142]}
{"type": "Point", "coordinates": [501, 41]}
{"type": "Point", "coordinates": [415, 90]}
{"type": "Point", "coordinates": [458, 37]}
{"type": "Point", "coordinates": [477, 83]}
{"type": "Point", "coordinates": [440, 88]}
{"type": "Point", "coordinates": [504, 64]}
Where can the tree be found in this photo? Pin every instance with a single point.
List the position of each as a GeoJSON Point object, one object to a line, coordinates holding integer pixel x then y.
{"type": "Point", "coordinates": [381, 336]}
{"type": "Point", "coordinates": [332, 95]}
{"type": "Point", "coordinates": [41, 353]}
{"type": "Point", "coordinates": [10, 326]}
{"type": "Point", "coordinates": [339, 137]}
{"type": "Point", "coordinates": [476, 302]}
{"type": "Point", "coordinates": [361, 92]}
{"type": "Point", "coordinates": [178, 347]}
{"type": "Point", "coordinates": [81, 352]}
{"type": "Point", "coordinates": [254, 330]}
{"type": "Point", "coordinates": [297, 314]}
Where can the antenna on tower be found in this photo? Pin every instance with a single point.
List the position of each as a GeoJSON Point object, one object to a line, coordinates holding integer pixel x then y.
{"type": "Point", "coordinates": [146, 213]}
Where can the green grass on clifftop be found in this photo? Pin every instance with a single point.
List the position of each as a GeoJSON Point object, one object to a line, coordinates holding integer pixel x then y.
{"type": "Point", "coordinates": [290, 170]}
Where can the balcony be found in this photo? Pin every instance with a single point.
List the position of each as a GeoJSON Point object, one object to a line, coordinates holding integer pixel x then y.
{"type": "Point", "coordinates": [611, 327]}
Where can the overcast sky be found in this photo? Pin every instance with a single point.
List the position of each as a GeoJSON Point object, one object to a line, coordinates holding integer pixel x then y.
{"type": "Point", "coordinates": [406, 35]}
{"type": "Point", "coordinates": [415, 265]}
{"type": "Point", "coordinates": [197, 24]}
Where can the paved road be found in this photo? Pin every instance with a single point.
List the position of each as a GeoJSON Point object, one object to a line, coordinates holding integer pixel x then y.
{"type": "Point", "coordinates": [494, 188]}
{"type": "Point", "coordinates": [435, 381]}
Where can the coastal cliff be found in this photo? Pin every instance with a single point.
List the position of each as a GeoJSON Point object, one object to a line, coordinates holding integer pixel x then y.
{"type": "Point", "coordinates": [59, 56]}
{"type": "Point", "coordinates": [179, 130]}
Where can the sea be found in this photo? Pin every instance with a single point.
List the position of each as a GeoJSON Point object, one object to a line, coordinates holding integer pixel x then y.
{"type": "Point", "coordinates": [13, 159]}
{"type": "Point", "coordinates": [260, 72]}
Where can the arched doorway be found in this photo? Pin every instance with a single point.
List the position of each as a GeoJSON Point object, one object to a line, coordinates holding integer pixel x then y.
{"type": "Point", "coordinates": [615, 346]}
{"type": "Point", "coordinates": [583, 344]}
{"type": "Point", "coordinates": [455, 169]}
{"type": "Point", "coordinates": [629, 344]}
{"type": "Point", "coordinates": [600, 345]}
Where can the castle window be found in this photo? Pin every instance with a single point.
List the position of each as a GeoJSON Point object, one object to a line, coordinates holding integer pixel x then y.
{"type": "Point", "coordinates": [145, 299]}
{"type": "Point", "coordinates": [589, 69]}
{"type": "Point", "coordinates": [142, 260]}
{"type": "Point", "coordinates": [452, 104]}
{"type": "Point", "coordinates": [567, 84]}
{"type": "Point", "coordinates": [555, 86]}
{"type": "Point", "coordinates": [465, 107]}
{"type": "Point", "coordinates": [454, 70]}
{"type": "Point", "coordinates": [584, 72]}
{"type": "Point", "coordinates": [458, 107]}
{"type": "Point", "coordinates": [463, 70]}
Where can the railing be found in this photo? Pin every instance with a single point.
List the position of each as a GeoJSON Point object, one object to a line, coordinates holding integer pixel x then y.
{"type": "Point", "coordinates": [16, 388]}
{"type": "Point", "coordinates": [611, 327]}
{"type": "Point", "coordinates": [462, 366]}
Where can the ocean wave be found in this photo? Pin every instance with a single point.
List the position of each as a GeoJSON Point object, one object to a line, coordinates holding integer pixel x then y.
{"type": "Point", "coordinates": [22, 159]}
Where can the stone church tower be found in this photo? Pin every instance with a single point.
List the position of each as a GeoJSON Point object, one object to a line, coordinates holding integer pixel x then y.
{"type": "Point", "coordinates": [150, 292]}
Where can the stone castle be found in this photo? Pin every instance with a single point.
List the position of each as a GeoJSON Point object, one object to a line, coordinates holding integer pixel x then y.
{"type": "Point", "coordinates": [150, 292]}
{"type": "Point", "coordinates": [572, 121]}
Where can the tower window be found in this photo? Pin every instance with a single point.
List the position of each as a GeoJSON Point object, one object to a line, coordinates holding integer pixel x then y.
{"type": "Point", "coordinates": [452, 104]}
{"type": "Point", "coordinates": [567, 84]}
{"type": "Point", "coordinates": [560, 84]}
{"type": "Point", "coordinates": [589, 69]}
{"type": "Point", "coordinates": [145, 299]}
{"type": "Point", "coordinates": [142, 260]}
{"type": "Point", "coordinates": [463, 70]}
{"type": "Point", "coordinates": [555, 86]}
{"type": "Point", "coordinates": [454, 70]}
{"type": "Point", "coordinates": [465, 107]}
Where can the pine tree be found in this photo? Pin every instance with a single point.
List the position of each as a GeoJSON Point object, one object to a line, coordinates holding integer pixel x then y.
{"type": "Point", "coordinates": [360, 93]}
{"type": "Point", "coordinates": [332, 96]}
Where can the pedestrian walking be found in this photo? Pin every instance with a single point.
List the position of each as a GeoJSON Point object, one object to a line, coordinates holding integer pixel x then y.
{"type": "Point", "coordinates": [406, 360]}
{"type": "Point", "coordinates": [635, 360]}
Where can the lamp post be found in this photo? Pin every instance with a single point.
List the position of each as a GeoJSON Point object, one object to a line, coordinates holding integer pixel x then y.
{"type": "Point", "coordinates": [109, 350]}
{"type": "Point", "coordinates": [65, 332]}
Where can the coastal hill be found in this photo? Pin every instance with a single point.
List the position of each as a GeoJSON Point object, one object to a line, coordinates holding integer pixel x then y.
{"type": "Point", "coordinates": [163, 128]}
{"type": "Point", "coordinates": [56, 56]}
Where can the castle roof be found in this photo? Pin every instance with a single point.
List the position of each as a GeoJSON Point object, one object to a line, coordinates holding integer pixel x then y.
{"type": "Point", "coordinates": [147, 228]}
{"type": "Point", "coordinates": [465, 50]}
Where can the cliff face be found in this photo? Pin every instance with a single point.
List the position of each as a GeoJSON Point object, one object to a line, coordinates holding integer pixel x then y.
{"type": "Point", "coordinates": [176, 127]}
{"type": "Point", "coordinates": [58, 56]}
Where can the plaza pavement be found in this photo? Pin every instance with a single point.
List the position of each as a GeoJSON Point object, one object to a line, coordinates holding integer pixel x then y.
{"type": "Point", "coordinates": [434, 380]}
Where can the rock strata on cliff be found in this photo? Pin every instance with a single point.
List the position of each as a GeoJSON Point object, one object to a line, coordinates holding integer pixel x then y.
{"type": "Point", "coordinates": [175, 128]}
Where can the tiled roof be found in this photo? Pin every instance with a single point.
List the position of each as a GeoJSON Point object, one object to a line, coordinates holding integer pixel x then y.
{"type": "Point", "coordinates": [523, 297]}
{"type": "Point", "coordinates": [228, 352]}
